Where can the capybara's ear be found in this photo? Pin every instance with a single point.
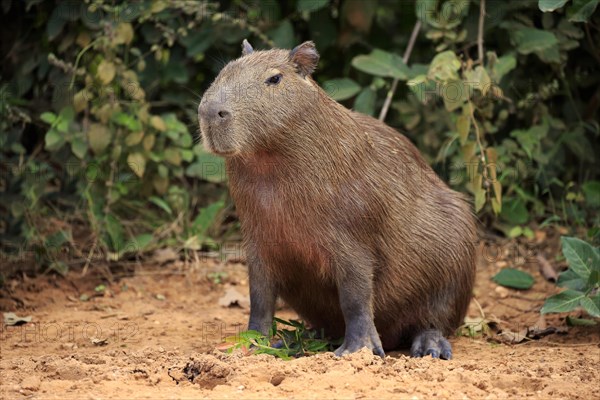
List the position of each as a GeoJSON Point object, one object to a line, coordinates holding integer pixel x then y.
{"type": "Point", "coordinates": [305, 58]}
{"type": "Point", "coordinates": [246, 48]}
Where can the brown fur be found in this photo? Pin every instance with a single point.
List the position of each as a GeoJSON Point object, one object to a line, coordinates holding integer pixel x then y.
{"type": "Point", "coordinates": [321, 190]}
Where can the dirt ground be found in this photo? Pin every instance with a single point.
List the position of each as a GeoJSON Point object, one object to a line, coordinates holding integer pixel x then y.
{"type": "Point", "coordinates": [153, 332]}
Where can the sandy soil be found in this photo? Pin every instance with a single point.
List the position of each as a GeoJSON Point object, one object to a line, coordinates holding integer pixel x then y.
{"type": "Point", "coordinates": [153, 333]}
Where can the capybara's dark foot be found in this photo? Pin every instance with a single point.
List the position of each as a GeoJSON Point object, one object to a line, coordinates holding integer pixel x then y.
{"type": "Point", "coordinates": [353, 343]}
{"type": "Point", "coordinates": [432, 343]}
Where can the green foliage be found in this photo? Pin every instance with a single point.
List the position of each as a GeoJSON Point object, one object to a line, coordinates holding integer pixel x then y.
{"type": "Point", "coordinates": [513, 278]}
{"type": "Point", "coordinates": [284, 343]}
{"type": "Point", "coordinates": [98, 105]}
{"type": "Point", "coordinates": [581, 280]}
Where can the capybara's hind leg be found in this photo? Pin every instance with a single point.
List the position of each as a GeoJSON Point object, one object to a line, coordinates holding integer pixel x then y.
{"type": "Point", "coordinates": [431, 342]}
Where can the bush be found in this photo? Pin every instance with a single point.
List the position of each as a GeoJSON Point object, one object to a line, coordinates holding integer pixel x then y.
{"type": "Point", "coordinates": [99, 98]}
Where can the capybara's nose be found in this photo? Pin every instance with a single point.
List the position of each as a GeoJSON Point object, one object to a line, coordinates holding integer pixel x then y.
{"type": "Point", "coordinates": [214, 112]}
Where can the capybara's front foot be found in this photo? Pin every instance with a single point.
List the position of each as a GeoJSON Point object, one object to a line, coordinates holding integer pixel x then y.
{"type": "Point", "coordinates": [432, 343]}
{"type": "Point", "coordinates": [354, 342]}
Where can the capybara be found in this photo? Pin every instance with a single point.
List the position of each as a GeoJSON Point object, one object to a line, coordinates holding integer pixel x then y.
{"type": "Point", "coordinates": [341, 215]}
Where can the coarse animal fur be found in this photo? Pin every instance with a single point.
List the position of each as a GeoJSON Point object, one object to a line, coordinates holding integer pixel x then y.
{"type": "Point", "coordinates": [341, 215]}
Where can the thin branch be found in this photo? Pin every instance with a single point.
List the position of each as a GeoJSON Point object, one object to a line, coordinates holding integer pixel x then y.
{"type": "Point", "coordinates": [480, 34]}
{"type": "Point", "coordinates": [407, 52]}
{"type": "Point", "coordinates": [479, 142]}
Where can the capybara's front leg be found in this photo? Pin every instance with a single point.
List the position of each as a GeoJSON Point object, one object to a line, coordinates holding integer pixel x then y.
{"type": "Point", "coordinates": [262, 298]}
{"type": "Point", "coordinates": [356, 300]}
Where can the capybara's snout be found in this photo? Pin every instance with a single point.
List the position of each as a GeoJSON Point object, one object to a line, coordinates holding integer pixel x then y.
{"type": "Point", "coordinates": [214, 112]}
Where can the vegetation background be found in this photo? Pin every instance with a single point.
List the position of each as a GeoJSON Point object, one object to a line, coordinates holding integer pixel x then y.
{"type": "Point", "coordinates": [98, 103]}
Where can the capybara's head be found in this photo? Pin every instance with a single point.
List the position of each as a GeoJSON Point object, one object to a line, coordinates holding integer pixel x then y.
{"type": "Point", "coordinates": [257, 98]}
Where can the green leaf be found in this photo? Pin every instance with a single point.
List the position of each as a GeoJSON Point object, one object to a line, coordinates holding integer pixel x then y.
{"type": "Point", "coordinates": [513, 278]}
{"type": "Point", "coordinates": [161, 203]}
{"type": "Point", "coordinates": [311, 5]}
{"type": "Point", "coordinates": [581, 10]}
{"type": "Point", "coordinates": [591, 305]}
{"type": "Point", "coordinates": [382, 63]}
{"type": "Point", "coordinates": [59, 267]}
{"type": "Point", "coordinates": [128, 121]}
{"type": "Point", "coordinates": [283, 35]}
{"type": "Point", "coordinates": [514, 211]}
{"type": "Point", "coordinates": [79, 148]}
{"type": "Point", "coordinates": [479, 198]}
{"type": "Point", "coordinates": [551, 5]}
{"type": "Point", "coordinates": [565, 301]}
{"type": "Point", "coordinates": [365, 101]}
{"type": "Point", "coordinates": [99, 137]}
{"type": "Point", "coordinates": [515, 231]}
{"type": "Point", "coordinates": [503, 66]}
{"type": "Point", "coordinates": [341, 89]}
{"type": "Point", "coordinates": [134, 138]}
{"type": "Point", "coordinates": [570, 280]}
{"type": "Point", "coordinates": [137, 163]}
{"type": "Point", "coordinates": [529, 40]}
{"type": "Point", "coordinates": [581, 256]}
{"type": "Point", "coordinates": [56, 22]}
{"type": "Point", "coordinates": [580, 321]}
{"type": "Point", "coordinates": [591, 191]}
{"type": "Point", "coordinates": [444, 67]}
{"type": "Point", "coordinates": [455, 94]}
{"type": "Point", "coordinates": [56, 240]}
{"type": "Point", "coordinates": [173, 156]}
{"type": "Point", "coordinates": [48, 117]}
{"type": "Point", "coordinates": [463, 126]}
{"type": "Point", "coordinates": [67, 114]}
{"type": "Point", "coordinates": [53, 140]}
{"type": "Point", "coordinates": [142, 241]}
{"type": "Point", "coordinates": [206, 218]}
{"type": "Point", "coordinates": [479, 79]}
{"type": "Point", "coordinates": [207, 167]}
{"type": "Point", "coordinates": [115, 232]}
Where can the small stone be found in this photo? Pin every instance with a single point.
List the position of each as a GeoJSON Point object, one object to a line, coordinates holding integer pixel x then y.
{"type": "Point", "coordinates": [502, 292]}
{"type": "Point", "coordinates": [277, 379]}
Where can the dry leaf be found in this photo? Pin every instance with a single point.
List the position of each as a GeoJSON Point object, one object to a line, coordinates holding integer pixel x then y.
{"type": "Point", "coordinates": [106, 71]}
{"type": "Point", "coordinates": [99, 342]}
{"type": "Point", "coordinates": [12, 319]}
{"type": "Point", "coordinates": [510, 337]}
{"type": "Point", "coordinates": [233, 298]}
{"type": "Point", "coordinates": [546, 269]}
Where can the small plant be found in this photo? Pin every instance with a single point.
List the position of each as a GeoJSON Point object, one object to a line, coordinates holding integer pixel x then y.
{"type": "Point", "coordinates": [217, 277]}
{"type": "Point", "coordinates": [581, 280]}
{"type": "Point", "coordinates": [283, 343]}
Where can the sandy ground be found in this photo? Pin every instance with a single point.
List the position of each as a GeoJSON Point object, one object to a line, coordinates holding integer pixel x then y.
{"type": "Point", "coordinates": [154, 332]}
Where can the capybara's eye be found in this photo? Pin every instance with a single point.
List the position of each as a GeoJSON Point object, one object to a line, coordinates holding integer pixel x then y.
{"type": "Point", "coordinates": [274, 80]}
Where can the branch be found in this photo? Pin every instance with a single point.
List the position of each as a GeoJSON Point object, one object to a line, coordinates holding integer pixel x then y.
{"type": "Point", "coordinates": [480, 34]}
{"type": "Point", "coordinates": [407, 52]}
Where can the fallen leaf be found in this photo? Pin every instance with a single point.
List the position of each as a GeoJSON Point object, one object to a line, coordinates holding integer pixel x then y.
{"type": "Point", "coordinates": [510, 337]}
{"type": "Point", "coordinates": [12, 319]}
{"type": "Point", "coordinates": [167, 254]}
{"type": "Point", "coordinates": [233, 298]}
{"type": "Point", "coordinates": [99, 342]}
{"type": "Point", "coordinates": [546, 269]}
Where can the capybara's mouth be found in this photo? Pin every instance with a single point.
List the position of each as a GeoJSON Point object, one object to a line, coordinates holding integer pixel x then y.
{"type": "Point", "coordinates": [211, 146]}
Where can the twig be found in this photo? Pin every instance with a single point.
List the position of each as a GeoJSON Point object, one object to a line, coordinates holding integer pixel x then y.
{"type": "Point", "coordinates": [479, 143]}
{"type": "Point", "coordinates": [480, 34]}
{"type": "Point", "coordinates": [479, 307]}
{"type": "Point", "coordinates": [405, 57]}
{"type": "Point", "coordinates": [88, 259]}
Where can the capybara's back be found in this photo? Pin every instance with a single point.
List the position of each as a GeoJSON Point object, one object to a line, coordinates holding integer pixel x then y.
{"type": "Point", "coordinates": [341, 216]}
